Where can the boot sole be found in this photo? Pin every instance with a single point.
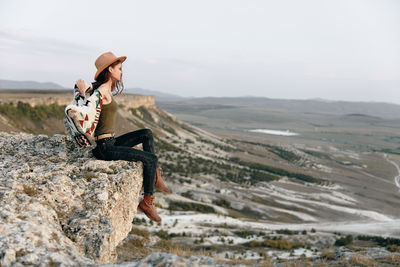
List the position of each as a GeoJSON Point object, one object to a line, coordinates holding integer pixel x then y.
{"type": "Point", "coordinates": [139, 208]}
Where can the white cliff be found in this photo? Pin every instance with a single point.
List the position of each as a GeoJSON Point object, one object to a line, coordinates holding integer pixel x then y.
{"type": "Point", "coordinates": [62, 206]}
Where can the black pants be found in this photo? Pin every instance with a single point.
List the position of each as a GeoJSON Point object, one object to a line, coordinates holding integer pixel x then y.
{"type": "Point", "coordinates": [121, 148]}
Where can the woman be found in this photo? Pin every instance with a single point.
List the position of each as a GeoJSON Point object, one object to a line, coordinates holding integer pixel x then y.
{"type": "Point", "coordinates": [108, 80]}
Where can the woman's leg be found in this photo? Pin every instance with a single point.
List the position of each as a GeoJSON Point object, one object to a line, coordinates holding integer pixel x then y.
{"type": "Point", "coordinates": [144, 136]}
{"type": "Point", "coordinates": [113, 152]}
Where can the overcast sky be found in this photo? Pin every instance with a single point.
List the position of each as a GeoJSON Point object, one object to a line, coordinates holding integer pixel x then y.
{"type": "Point", "coordinates": [331, 49]}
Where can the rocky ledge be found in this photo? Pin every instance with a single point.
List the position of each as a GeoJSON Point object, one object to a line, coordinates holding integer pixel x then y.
{"type": "Point", "coordinates": [60, 205]}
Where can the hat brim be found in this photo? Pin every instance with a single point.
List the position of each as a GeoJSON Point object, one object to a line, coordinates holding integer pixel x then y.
{"type": "Point", "coordinates": [122, 59]}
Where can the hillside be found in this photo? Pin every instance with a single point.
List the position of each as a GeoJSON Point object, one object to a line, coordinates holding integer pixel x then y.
{"type": "Point", "coordinates": [233, 195]}
{"type": "Point", "coordinates": [189, 153]}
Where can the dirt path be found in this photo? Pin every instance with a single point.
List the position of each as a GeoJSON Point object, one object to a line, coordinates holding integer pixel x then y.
{"type": "Point", "coordinates": [397, 178]}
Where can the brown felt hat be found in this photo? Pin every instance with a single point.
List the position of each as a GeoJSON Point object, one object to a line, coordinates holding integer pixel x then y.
{"type": "Point", "coordinates": [105, 60]}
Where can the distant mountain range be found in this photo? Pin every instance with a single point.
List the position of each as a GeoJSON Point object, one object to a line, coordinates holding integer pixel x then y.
{"type": "Point", "coordinates": [10, 84]}
{"type": "Point", "coordinates": [171, 102]}
{"type": "Point", "coordinates": [317, 106]}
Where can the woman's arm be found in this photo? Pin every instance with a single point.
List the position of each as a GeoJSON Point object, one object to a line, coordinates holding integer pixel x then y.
{"type": "Point", "coordinates": [82, 86]}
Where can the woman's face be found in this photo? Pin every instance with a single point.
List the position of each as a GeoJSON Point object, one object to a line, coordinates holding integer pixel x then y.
{"type": "Point", "coordinates": [116, 72]}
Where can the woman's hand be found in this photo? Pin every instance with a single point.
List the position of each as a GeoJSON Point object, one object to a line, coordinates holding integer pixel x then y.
{"type": "Point", "coordinates": [81, 86]}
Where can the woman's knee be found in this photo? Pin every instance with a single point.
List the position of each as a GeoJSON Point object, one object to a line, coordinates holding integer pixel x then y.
{"type": "Point", "coordinates": [147, 132]}
{"type": "Point", "coordinates": [151, 159]}
{"type": "Point", "coordinates": [154, 158]}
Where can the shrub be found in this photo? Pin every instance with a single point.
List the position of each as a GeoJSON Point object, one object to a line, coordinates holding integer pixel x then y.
{"type": "Point", "coordinates": [276, 171]}
{"type": "Point", "coordinates": [244, 233]}
{"type": "Point", "coordinates": [190, 206]}
{"type": "Point", "coordinates": [36, 113]}
{"type": "Point", "coordinates": [388, 242]}
{"type": "Point", "coordinates": [163, 234]}
{"type": "Point", "coordinates": [343, 241]}
{"type": "Point", "coordinates": [287, 232]}
{"type": "Point", "coordinates": [222, 203]}
{"type": "Point", "coordinates": [277, 244]}
{"type": "Point", "coordinates": [393, 248]}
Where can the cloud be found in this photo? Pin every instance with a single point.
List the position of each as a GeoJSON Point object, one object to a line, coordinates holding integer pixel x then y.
{"type": "Point", "coordinates": [27, 55]}
{"type": "Point", "coordinates": [22, 42]}
{"type": "Point", "coordinates": [174, 63]}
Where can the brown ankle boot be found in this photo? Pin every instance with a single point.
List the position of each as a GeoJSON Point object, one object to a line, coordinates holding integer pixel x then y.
{"type": "Point", "coordinates": [159, 183]}
{"type": "Point", "coordinates": [147, 206]}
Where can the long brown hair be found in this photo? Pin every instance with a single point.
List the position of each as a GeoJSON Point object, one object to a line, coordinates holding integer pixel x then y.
{"type": "Point", "coordinates": [103, 77]}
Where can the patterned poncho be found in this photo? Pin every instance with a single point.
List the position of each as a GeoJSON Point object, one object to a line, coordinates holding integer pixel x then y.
{"type": "Point", "coordinates": [82, 116]}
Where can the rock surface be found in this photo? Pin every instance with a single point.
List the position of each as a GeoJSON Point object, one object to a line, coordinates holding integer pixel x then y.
{"type": "Point", "coordinates": [60, 205]}
{"type": "Point", "coordinates": [172, 260]}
